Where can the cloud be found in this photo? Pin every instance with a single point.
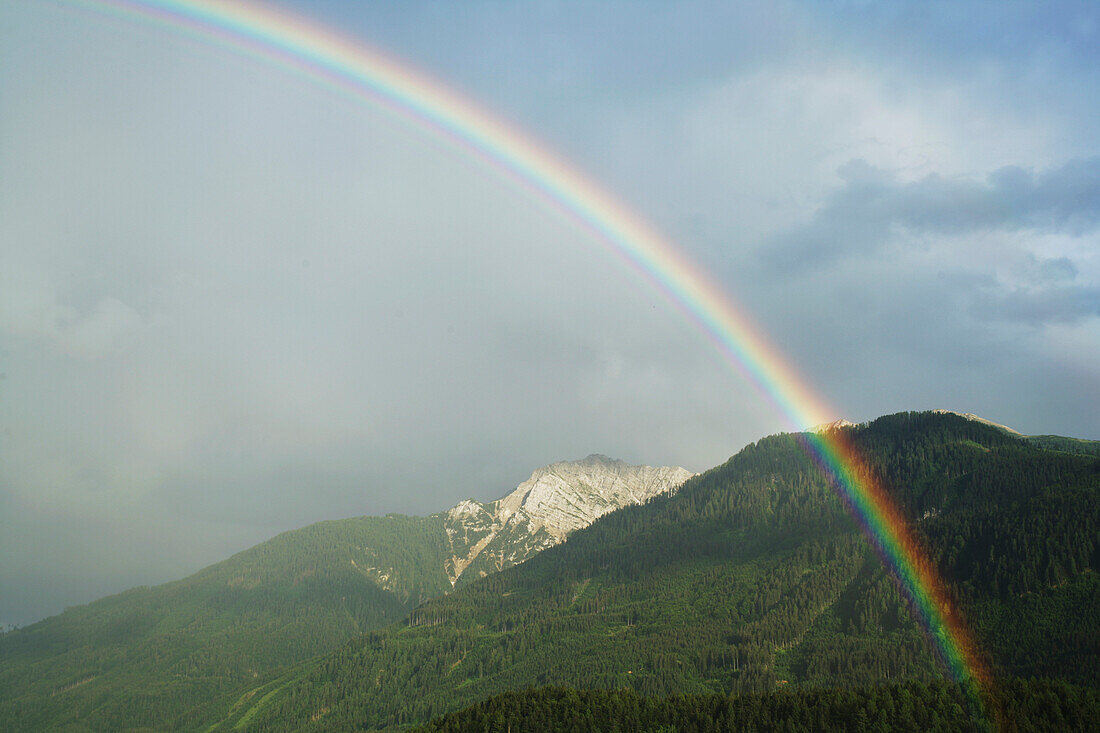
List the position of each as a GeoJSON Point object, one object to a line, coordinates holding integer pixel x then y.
{"type": "Point", "coordinates": [873, 209]}
{"type": "Point", "coordinates": [34, 312]}
{"type": "Point", "coordinates": [1059, 304]}
{"type": "Point", "coordinates": [1054, 270]}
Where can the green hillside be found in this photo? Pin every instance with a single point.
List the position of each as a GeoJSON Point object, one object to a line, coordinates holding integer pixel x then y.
{"type": "Point", "coordinates": [166, 655]}
{"type": "Point", "coordinates": [751, 579]}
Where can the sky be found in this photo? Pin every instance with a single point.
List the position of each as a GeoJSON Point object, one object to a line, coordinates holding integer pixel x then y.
{"type": "Point", "coordinates": [233, 303]}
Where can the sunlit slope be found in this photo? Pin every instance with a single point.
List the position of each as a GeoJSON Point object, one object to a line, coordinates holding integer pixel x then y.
{"type": "Point", "coordinates": [751, 578]}
{"type": "Point", "coordinates": [161, 656]}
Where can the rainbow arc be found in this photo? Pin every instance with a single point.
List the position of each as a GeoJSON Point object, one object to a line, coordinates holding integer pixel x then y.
{"type": "Point", "coordinates": [358, 71]}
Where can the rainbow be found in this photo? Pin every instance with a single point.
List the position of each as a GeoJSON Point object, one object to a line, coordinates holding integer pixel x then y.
{"type": "Point", "coordinates": [351, 68]}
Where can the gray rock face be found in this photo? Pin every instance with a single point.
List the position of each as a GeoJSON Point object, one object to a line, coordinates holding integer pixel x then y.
{"type": "Point", "coordinates": [558, 499]}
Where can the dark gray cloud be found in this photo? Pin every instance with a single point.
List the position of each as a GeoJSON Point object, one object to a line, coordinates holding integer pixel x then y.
{"type": "Point", "coordinates": [1054, 305]}
{"type": "Point", "coordinates": [873, 207]}
{"type": "Point", "coordinates": [1055, 269]}
{"type": "Point", "coordinates": [917, 332]}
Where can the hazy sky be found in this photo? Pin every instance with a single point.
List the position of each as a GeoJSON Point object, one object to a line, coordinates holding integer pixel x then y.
{"type": "Point", "coordinates": [233, 303]}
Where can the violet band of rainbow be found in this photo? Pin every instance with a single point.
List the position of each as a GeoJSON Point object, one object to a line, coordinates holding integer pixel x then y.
{"type": "Point", "coordinates": [364, 74]}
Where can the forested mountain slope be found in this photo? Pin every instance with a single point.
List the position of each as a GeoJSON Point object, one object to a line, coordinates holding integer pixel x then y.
{"type": "Point", "coordinates": [1031, 705]}
{"type": "Point", "coordinates": [162, 655]}
{"type": "Point", "coordinates": [165, 657]}
{"type": "Point", "coordinates": [751, 578]}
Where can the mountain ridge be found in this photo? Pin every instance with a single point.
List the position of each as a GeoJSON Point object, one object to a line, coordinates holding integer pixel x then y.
{"type": "Point", "coordinates": [751, 577]}
{"type": "Point", "coordinates": [748, 577]}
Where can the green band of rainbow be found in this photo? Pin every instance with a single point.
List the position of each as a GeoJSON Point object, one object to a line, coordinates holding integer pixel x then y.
{"type": "Point", "coordinates": [368, 75]}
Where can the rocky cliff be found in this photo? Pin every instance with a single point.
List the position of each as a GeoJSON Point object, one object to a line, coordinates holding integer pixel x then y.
{"type": "Point", "coordinates": [555, 501]}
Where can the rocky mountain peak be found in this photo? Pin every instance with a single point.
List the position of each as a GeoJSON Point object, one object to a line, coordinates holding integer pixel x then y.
{"type": "Point", "coordinates": [556, 500]}
{"type": "Point", "coordinates": [834, 425]}
{"type": "Point", "coordinates": [568, 495]}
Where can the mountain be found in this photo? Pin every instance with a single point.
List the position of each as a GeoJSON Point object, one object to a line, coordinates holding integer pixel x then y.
{"type": "Point", "coordinates": [750, 579]}
{"type": "Point", "coordinates": [163, 657]}
{"type": "Point", "coordinates": [557, 500]}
